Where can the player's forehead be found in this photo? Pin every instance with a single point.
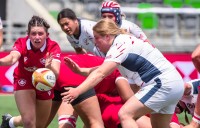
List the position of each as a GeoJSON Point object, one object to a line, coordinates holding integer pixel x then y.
{"type": "Point", "coordinates": [108, 14]}
{"type": "Point", "coordinates": [37, 29]}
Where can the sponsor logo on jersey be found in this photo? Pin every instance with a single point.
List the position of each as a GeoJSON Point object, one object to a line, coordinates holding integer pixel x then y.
{"type": "Point", "coordinates": [49, 92]}
{"type": "Point", "coordinates": [22, 82]}
{"type": "Point", "coordinates": [86, 42]}
{"type": "Point", "coordinates": [30, 69]}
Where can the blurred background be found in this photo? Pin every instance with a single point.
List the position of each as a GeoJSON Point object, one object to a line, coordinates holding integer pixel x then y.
{"type": "Point", "coordinates": [171, 25]}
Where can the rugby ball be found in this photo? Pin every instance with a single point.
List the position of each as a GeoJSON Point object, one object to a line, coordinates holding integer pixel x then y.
{"type": "Point", "coordinates": [43, 79]}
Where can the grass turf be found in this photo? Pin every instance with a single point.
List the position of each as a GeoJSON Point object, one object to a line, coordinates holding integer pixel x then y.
{"type": "Point", "coordinates": [8, 105]}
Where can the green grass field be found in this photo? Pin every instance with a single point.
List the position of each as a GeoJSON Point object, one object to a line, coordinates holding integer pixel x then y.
{"type": "Point", "coordinates": [7, 105]}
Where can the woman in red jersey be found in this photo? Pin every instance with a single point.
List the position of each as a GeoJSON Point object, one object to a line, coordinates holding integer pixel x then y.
{"type": "Point", "coordinates": [30, 52]}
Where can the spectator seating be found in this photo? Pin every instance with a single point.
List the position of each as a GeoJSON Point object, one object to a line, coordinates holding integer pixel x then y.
{"type": "Point", "coordinates": [148, 21]}
{"type": "Point", "coordinates": [192, 3]}
{"type": "Point", "coordinates": [173, 3]}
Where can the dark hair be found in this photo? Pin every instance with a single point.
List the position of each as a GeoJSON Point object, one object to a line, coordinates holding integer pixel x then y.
{"type": "Point", "coordinates": [66, 13]}
{"type": "Point", "coordinates": [38, 21]}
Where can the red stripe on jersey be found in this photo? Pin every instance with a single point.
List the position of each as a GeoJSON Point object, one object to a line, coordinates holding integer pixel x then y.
{"type": "Point", "coordinates": [119, 55]}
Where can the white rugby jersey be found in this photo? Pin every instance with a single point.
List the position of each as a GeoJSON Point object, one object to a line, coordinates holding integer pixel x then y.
{"type": "Point", "coordinates": [86, 38]}
{"type": "Point", "coordinates": [139, 61]}
{"type": "Point", "coordinates": [133, 29]}
{"type": "Point", "coordinates": [191, 100]}
{"type": "Point", "coordinates": [1, 24]}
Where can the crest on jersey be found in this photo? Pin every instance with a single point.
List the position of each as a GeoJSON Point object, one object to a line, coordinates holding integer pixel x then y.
{"type": "Point", "coordinates": [42, 61]}
{"type": "Point", "coordinates": [22, 82]}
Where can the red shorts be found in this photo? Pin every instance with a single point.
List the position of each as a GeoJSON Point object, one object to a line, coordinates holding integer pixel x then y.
{"type": "Point", "coordinates": [26, 84]}
{"type": "Point", "coordinates": [110, 115]}
{"type": "Point", "coordinates": [109, 110]}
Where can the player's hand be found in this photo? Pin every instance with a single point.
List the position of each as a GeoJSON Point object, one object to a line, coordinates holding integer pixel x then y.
{"type": "Point", "coordinates": [49, 58]}
{"type": "Point", "coordinates": [72, 65]}
{"type": "Point", "coordinates": [70, 95]}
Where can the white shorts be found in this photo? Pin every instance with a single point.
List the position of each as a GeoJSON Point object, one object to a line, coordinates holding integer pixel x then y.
{"type": "Point", "coordinates": [161, 97]}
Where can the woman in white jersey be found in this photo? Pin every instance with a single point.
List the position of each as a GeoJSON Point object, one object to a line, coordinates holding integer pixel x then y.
{"type": "Point", "coordinates": [159, 83]}
{"type": "Point", "coordinates": [79, 32]}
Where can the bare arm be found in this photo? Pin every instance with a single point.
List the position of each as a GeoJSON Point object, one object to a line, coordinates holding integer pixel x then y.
{"type": "Point", "coordinates": [10, 59]}
{"type": "Point", "coordinates": [75, 67]}
{"type": "Point", "coordinates": [124, 89]}
{"type": "Point", "coordinates": [52, 64]}
{"type": "Point", "coordinates": [97, 76]}
{"type": "Point", "coordinates": [92, 80]}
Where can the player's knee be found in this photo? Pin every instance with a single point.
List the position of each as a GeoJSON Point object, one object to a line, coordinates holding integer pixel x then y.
{"type": "Point", "coordinates": [28, 121]}
{"type": "Point", "coordinates": [69, 120]}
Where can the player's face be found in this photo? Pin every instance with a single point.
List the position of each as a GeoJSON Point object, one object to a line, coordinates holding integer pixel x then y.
{"type": "Point", "coordinates": [38, 36]}
{"type": "Point", "coordinates": [102, 42]}
{"type": "Point", "coordinates": [109, 16]}
{"type": "Point", "coordinates": [69, 26]}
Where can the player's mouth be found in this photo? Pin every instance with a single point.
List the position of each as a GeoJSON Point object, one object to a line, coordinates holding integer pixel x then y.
{"type": "Point", "coordinates": [68, 32]}
{"type": "Point", "coordinates": [37, 41]}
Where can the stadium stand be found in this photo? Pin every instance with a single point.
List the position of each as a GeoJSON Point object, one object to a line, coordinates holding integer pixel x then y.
{"type": "Point", "coordinates": [171, 25]}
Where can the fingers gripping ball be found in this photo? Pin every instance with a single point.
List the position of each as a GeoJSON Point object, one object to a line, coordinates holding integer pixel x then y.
{"type": "Point", "coordinates": [43, 79]}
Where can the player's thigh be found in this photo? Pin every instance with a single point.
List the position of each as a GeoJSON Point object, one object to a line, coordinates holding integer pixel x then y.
{"type": "Point", "coordinates": [43, 109]}
{"type": "Point", "coordinates": [89, 110]}
{"type": "Point", "coordinates": [164, 120]}
{"type": "Point", "coordinates": [25, 100]}
{"type": "Point", "coordinates": [133, 108]}
{"type": "Point", "coordinates": [141, 120]}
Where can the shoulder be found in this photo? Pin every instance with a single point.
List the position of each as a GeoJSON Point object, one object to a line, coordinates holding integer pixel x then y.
{"type": "Point", "coordinates": [51, 41]}
{"type": "Point", "coordinates": [22, 40]}
{"type": "Point", "coordinates": [87, 23]}
{"type": "Point", "coordinates": [126, 22]}
{"type": "Point", "coordinates": [129, 24]}
{"type": "Point", "coordinates": [52, 44]}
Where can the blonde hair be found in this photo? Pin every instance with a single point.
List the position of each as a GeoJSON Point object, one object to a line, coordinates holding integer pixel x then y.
{"type": "Point", "coordinates": [108, 27]}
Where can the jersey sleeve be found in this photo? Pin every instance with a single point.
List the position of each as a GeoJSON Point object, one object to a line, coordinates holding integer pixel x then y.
{"type": "Point", "coordinates": [55, 51]}
{"type": "Point", "coordinates": [118, 51]}
{"type": "Point", "coordinates": [18, 46]}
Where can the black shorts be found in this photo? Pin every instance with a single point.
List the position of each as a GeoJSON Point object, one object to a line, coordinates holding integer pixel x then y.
{"type": "Point", "coordinates": [89, 93]}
